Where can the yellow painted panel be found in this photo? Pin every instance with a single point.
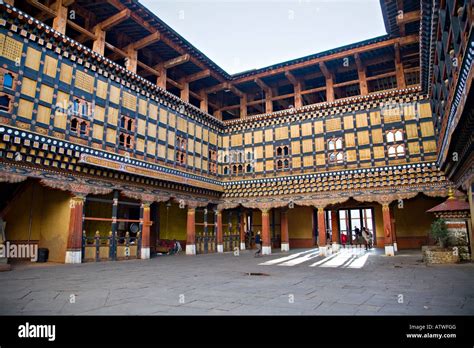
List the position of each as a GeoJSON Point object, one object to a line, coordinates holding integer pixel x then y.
{"type": "Point", "coordinates": [427, 129]}
{"type": "Point", "coordinates": [171, 138]}
{"type": "Point", "coordinates": [172, 122]}
{"type": "Point", "coordinates": [363, 137]}
{"type": "Point", "coordinates": [412, 131]}
{"type": "Point", "coordinates": [33, 58]}
{"type": "Point", "coordinates": [98, 131]}
{"type": "Point", "coordinates": [295, 131]}
{"type": "Point", "coordinates": [129, 101]}
{"type": "Point", "coordinates": [258, 137]}
{"type": "Point", "coordinates": [361, 120]}
{"type": "Point", "coordinates": [151, 147]}
{"type": "Point", "coordinates": [225, 142]}
{"type": "Point", "coordinates": [44, 114]}
{"type": "Point", "coordinates": [151, 129]}
{"type": "Point", "coordinates": [377, 136]}
{"type": "Point", "coordinates": [307, 161]}
{"type": "Point", "coordinates": [162, 151]}
{"type": "Point", "coordinates": [111, 136]}
{"type": "Point", "coordinates": [348, 122]}
{"type": "Point", "coordinates": [12, 49]}
{"type": "Point", "coordinates": [181, 124]}
{"type": "Point", "coordinates": [409, 110]}
{"type": "Point", "coordinates": [351, 156]}
{"type": "Point", "coordinates": [190, 145]}
{"type": "Point", "coordinates": [295, 147]}
{"type": "Point", "coordinates": [379, 152]}
{"type": "Point", "coordinates": [25, 108]}
{"type": "Point", "coordinates": [259, 167]}
{"type": "Point", "coordinates": [319, 143]}
{"type": "Point", "coordinates": [281, 133]}
{"type": "Point", "coordinates": [28, 87]}
{"type": "Point", "coordinates": [320, 159]}
{"type": "Point", "coordinates": [84, 81]}
{"type": "Point", "coordinates": [102, 89]}
{"type": "Point", "coordinates": [248, 138]}
{"type": "Point", "coordinates": [307, 145]}
{"type": "Point", "coordinates": [99, 113]}
{"type": "Point", "coordinates": [392, 115]}
{"type": "Point", "coordinates": [141, 125]}
{"type": "Point", "coordinates": [375, 118]}
{"type": "Point", "coordinates": [2, 43]}
{"type": "Point", "coordinates": [190, 161]}
{"type": "Point", "coordinates": [258, 152]}
{"type": "Point", "coordinates": [140, 144]}
{"type": "Point", "coordinates": [60, 120]}
{"type": "Point", "coordinates": [296, 162]}
{"type": "Point", "coordinates": [62, 100]}
{"type": "Point", "coordinates": [213, 138]}
{"type": "Point", "coordinates": [205, 134]}
{"type": "Point", "coordinates": [46, 94]}
{"type": "Point", "coordinates": [424, 110]}
{"type": "Point", "coordinates": [414, 148]}
{"type": "Point", "coordinates": [333, 124]}
{"type": "Point", "coordinates": [269, 151]}
{"type": "Point", "coordinates": [153, 111]}
{"type": "Point", "coordinates": [429, 146]}
{"type": "Point", "coordinates": [306, 129]}
{"type": "Point", "coordinates": [269, 165]}
{"type": "Point", "coordinates": [197, 162]}
{"type": "Point", "coordinates": [350, 139]}
{"type": "Point", "coordinates": [163, 115]}
{"type": "Point", "coordinates": [268, 135]}
{"type": "Point", "coordinates": [114, 94]}
{"type": "Point", "coordinates": [364, 154]}
{"type": "Point", "coordinates": [197, 147]}
{"type": "Point", "coordinates": [142, 106]}
{"type": "Point", "coordinates": [112, 116]}
{"type": "Point", "coordinates": [162, 133]}
{"type": "Point", "coordinates": [65, 75]}
{"type": "Point", "coordinates": [318, 127]}
{"type": "Point", "coordinates": [236, 140]}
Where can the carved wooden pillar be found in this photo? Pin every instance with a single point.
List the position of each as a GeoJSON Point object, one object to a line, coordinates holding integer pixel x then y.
{"type": "Point", "coordinates": [219, 236]}
{"type": "Point", "coordinates": [74, 242]}
{"type": "Point", "coordinates": [60, 21]}
{"type": "Point", "coordinates": [99, 42]}
{"type": "Point", "coordinates": [266, 241]}
{"type": "Point", "coordinates": [322, 232]}
{"type": "Point", "coordinates": [243, 219]}
{"type": "Point", "coordinates": [335, 229]}
{"type": "Point", "coordinates": [146, 223]}
{"type": "Point", "coordinates": [191, 232]}
{"type": "Point", "coordinates": [285, 239]}
{"type": "Point", "coordinates": [387, 228]}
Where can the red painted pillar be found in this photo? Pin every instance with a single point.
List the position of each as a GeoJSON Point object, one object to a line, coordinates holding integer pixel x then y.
{"type": "Point", "coordinates": [74, 242]}
{"type": "Point", "coordinates": [145, 249]}
{"type": "Point", "coordinates": [220, 243]}
{"type": "Point", "coordinates": [191, 232]}
{"type": "Point", "coordinates": [387, 228]}
{"type": "Point", "coordinates": [322, 231]}
{"type": "Point", "coordinates": [285, 238]}
{"type": "Point", "coordinates": [242, 230]}
{"type": "Point", "coordinates": [266, 240]}
{"type": "Point", "coordinates": [334, 226]}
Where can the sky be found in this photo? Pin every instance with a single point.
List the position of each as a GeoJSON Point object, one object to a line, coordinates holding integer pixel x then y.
{"type": "Point", "coordinates": [241, 35]}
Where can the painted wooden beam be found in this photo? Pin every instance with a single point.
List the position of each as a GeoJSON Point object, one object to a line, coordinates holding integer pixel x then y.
{"type": "Point", "coordinates": [176, 61]}
{"type": "Point", "coordinates": [146, 41]}
{"type": "Point", "coordinates": [198, 76]}
{"type": "Point", "coordinates": [112, 21]}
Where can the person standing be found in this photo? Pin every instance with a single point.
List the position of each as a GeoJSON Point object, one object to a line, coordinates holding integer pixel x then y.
{"type": "Point", "coordinates": [258, 242]}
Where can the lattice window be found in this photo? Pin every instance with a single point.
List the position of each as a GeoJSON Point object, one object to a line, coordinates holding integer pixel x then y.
{"type": "Point", "coordinates": [181, 150]}
{"type": "Point", "coordinates": [7, 79]}
{"type": "Point", "coordinates": [212, 163]}
{"type": "Point", "coordinates": [396, 151]}
{"type": "Point", "coordinates": [82, 108]}
{"type": "Point", "coordinates": [126, 140]}
{"type": "Point", "coordinates": [79, 126]}
{"type": "Point", "coordinates": [282, 154]}
{"type": "Point", "coordinates": [127, 123]}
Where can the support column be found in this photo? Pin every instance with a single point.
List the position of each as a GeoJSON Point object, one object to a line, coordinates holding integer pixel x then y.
{"type": "Point", "coordinates": [146, 223]}
{"type": "Point", "coordinates": [387, 228]}
{"type": "Point", "coordinates": [74, 242]}
{"type": "Point", "coordinates": [219, 236]}
{"type": "Point", "coordinates": [266, 241]}
{"type": "Point", "coordinates": [400, 73]}
{"type": "Point", "coordinates": [242, 230]}
{"type": "Point", "coordinates": [99, 43]}
{"type": "Point", "coordinates": [243, 106]}
{"type": "Point", "coordinates": [191, 232]}
{"type": "Point", "coordinates": [161, 80]}
{"type": "Point", "coordinates": [335, 231]}
{"type": "Point", "coordinates": [394, 233]}
{"type": "Point", "coordinates": [298, 98]}
{"type": "Point", "coordinates": [131, 63]}
{"type": "Point", "coordinates": [322, 232]}
{"type": "Point", "coordinates": [218, 114]}
{"type": "Point", "coordinates": [60, 21]}
{"type": "Point", "coordinates": [185, 92]}
{"type": "Point", "coordinates": [204, 104]}
{"type": "Point", "coordinates": [285, 239]}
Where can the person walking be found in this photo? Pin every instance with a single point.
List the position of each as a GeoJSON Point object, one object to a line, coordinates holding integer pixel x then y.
{"type": "Point", "coordinates": [366, 235]}
{"type": "Point", "coordinates": [258, 242]}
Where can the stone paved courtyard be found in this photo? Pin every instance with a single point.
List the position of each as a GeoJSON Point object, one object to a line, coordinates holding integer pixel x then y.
{"type": "Point", "coordinates": [299, 282]}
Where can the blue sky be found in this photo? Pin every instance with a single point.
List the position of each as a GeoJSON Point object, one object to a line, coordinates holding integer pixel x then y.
{"type": "Point", "coordinates": [241, 35]}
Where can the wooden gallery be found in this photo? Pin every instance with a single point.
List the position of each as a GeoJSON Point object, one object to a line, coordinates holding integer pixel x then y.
{"type": "Point", "coordinates": [117, 136]}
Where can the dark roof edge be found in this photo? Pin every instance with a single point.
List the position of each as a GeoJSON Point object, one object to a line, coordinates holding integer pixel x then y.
{"type": "Point", "coordinates": [385, 16]}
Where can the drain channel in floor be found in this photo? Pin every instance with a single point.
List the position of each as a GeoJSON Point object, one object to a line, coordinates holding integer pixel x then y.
{"type": "Point", "coordinates": [256, 274]}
